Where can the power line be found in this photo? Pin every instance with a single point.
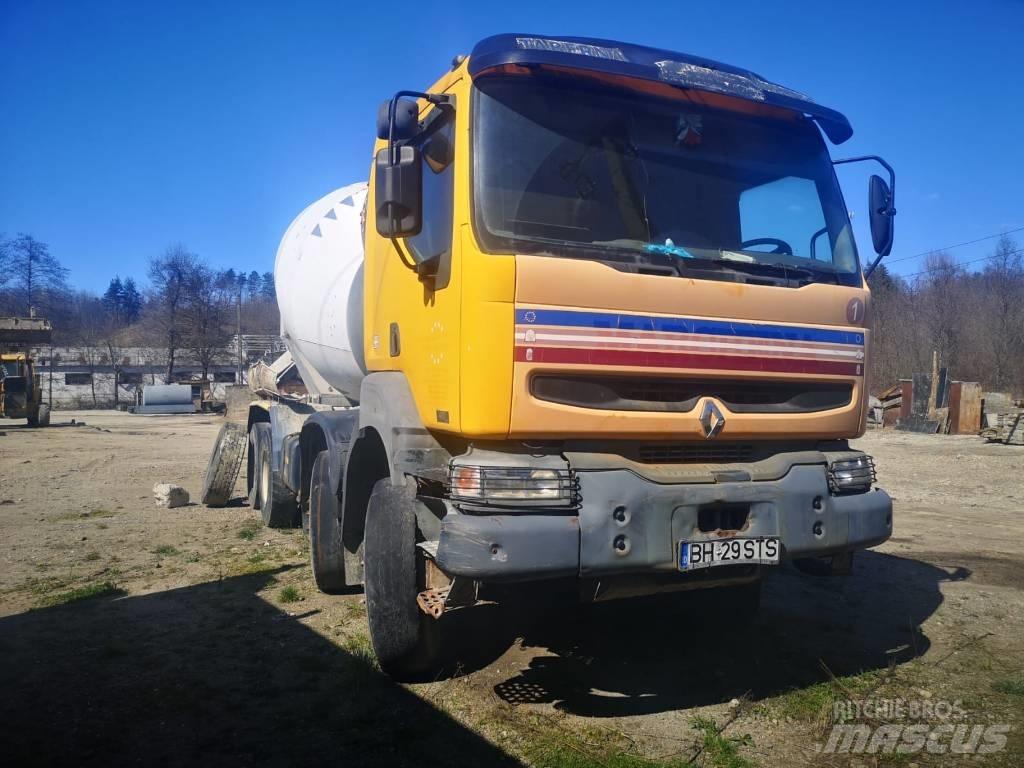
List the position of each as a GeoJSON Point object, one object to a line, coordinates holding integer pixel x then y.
{"type": "Point", "coordinates": [963, 263]}
{"type": "Point", "coordinates": [958, 245]}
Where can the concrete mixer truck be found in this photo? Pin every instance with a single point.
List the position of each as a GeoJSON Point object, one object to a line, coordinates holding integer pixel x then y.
{"type": "Point", "coordinates": [597, 317]}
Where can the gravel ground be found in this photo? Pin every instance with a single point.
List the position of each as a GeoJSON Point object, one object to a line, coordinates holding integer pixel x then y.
{"type": "Point", "coordinates": [133, 634]}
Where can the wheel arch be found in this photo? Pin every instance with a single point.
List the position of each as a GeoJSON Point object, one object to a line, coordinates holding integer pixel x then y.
{"type": "Point", "coordinates": [257, 412]}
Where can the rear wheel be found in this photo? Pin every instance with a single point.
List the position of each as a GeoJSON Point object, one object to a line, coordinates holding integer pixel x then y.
{"type": "Point", "coordinates": [44, 415]}
{"type": "Point", "coordinates": [327, 555]}
{"type": "Point", "coordinates": [277, 503]}
{"type": "Point", "coordinates": [252, 465]}
{"type": "Point", "coordinates": [407, 641]}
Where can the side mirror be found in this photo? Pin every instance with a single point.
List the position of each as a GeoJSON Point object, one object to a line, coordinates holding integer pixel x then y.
{"type": "Point", "coordinates": [881, 197]}
{"type": "Point", "coordinates": [406, 119]}
{"type": "Point", "coordinates": [398, 188]}
{"type": "Point", "coordinates": [881, 213]}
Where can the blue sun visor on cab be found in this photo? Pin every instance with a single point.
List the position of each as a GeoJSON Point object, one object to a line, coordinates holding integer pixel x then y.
{"type": "Point", "coordinates": [654, 64]}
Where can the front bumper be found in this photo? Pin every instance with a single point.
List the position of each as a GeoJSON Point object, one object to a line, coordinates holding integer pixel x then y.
{"type": "Point", "coordinates": [628, 524]}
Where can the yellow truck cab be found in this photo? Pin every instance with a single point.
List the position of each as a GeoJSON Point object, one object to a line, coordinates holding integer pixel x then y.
{"type": "Point", "coordinates": [615, 328]}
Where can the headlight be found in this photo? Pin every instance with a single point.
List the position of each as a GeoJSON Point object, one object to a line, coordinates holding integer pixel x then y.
{"type": "Point", "coordinates": [854, 475]}
{"type": "Point", "coordinates": [510, 485]}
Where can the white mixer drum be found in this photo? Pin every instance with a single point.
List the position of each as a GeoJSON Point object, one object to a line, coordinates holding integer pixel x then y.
{"type": "Point", "coordinates": [318, 275]}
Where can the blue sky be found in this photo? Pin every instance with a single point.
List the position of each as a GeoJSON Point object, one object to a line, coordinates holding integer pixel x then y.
{"type": "Point", "coordinates": [128, 126]}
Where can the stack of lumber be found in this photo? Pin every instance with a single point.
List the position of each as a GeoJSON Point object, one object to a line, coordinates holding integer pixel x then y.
{"type": "Point", "coordinates": [892, 402]}
{"type": "Point", "coordinates": [1005, 428]}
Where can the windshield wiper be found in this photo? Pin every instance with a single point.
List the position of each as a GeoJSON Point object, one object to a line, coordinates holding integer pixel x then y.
{"type": "Point", "coordinates": [810, 274]}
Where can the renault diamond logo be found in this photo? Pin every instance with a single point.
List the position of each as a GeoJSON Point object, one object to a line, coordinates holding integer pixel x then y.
{"type": "Point", "coordinates": [711, 419]}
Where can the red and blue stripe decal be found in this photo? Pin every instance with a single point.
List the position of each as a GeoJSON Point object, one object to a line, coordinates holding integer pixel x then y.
{"type": "Point", "coordinates": [611, 339]}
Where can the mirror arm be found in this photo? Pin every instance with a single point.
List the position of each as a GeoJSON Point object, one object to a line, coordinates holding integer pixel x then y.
{"type": "Point", "coordinates": [437, 99]}
{"type": "Point", "coordinates": [890, 211]}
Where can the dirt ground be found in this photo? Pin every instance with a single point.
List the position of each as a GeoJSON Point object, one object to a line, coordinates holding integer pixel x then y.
{"type": "Point", "coordinates": [131, 634]}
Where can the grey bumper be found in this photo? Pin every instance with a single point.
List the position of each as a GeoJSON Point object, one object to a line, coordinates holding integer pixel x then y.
{"type": "Point", "coordinates": [628, 524]}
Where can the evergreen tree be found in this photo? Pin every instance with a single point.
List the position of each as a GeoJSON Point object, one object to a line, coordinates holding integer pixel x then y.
{"type": "Point", "coordinates": [131, 301]}
{"type": "Point", "coordinates": [255, 284]}
{"type": "Point", "coordinates": [268, 291]}
{"type": "Point", "coordinates": [113, 298]}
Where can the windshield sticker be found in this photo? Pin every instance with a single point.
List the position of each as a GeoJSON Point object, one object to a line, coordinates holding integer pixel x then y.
{"type": "Point", "coordinates": [577, 49]}
{"type": "Point", "coordinates": [668, 249]}
{"type": "Point", "coordinates": [707, 79]}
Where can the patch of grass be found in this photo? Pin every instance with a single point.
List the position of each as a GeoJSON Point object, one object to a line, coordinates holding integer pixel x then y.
{"type": "Point", "coordinates": [1010, 686]}
{"type": "Point", "coordinates": [805, 703]}
{"type": "Point", "coordinates": [92, 556]}
{"type": "Point", "coordinates": [99, 589]}
{"type": "Point", "coordinates": [546, 745]}
{"type": "Point", "coordinates": [91, 514]}
{"type": "Point", "coordinates": [564, 755]}
{"type": "Point", "coordinates": [256, 557]}
{"type": "Point", "coordinates": [358, 644]}
{"type": "Point", "coordinates": [192, 557]}
{"type": "Point", "coordinates": [721, 751]}
{"type": "Point", "coordinates": [249, 529]}
{"type": "Point", "coordinates": [166, 550]}
{"type": "Point", "coordinates": [243, 567]}
{"type": "Point", "coordinates": [289, 594]}
{"type": "Point", "coordinates": [814, 703]}
{"type": "Point", "coordinates": [42, 587]}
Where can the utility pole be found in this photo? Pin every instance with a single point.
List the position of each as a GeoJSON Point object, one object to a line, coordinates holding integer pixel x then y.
{"type": "Point", "coordinates": [238, 336]}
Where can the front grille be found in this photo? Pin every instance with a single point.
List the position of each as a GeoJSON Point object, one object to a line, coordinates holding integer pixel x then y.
{"type": "Point", "coordinates": [695, 454]}
{"type": "Point", "coordinates": [678, 395]}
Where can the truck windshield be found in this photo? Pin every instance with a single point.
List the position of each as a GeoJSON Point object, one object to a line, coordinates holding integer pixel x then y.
{"type": "Point", "coordinates": [570, 168]}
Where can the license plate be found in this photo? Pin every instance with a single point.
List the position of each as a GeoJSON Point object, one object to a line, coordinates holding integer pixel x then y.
{"type": "Point", "coordinates": [734, 551]}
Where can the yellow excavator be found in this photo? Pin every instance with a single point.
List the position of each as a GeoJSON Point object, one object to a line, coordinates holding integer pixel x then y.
{"type": "Point", "coordinates": [21, 396]}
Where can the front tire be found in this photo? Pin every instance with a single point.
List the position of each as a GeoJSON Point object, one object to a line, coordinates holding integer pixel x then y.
{"type": "Point", "coordinates": [406, 640]}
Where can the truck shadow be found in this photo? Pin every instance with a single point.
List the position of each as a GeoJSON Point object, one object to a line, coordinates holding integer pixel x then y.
{"type": "Point", "coordinates": [678, 651]}
{"type": "Point", "coordinates": [207, 675]}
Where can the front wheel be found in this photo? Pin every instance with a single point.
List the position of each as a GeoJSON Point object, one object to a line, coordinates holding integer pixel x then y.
{"type": "Point", "coordinates": [406, 640]}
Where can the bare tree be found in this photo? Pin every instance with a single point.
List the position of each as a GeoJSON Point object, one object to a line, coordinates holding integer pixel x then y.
{"type": "Point", "coordinates": [91, 322]}
{"type": "Point", "coordinates": [37, 278]}
{"type": "Point", "coordinates": [1003, 281]}
{"type": "Point", "coordinates": [205, 317]}
{"type": "Point", "coordinates": [170, 275]}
